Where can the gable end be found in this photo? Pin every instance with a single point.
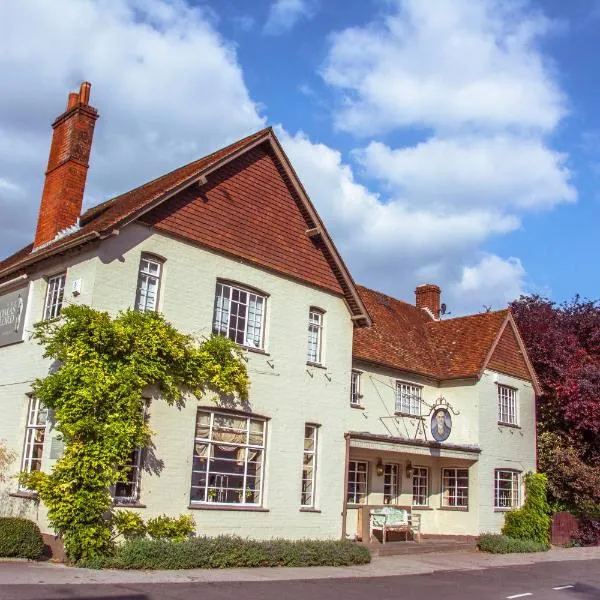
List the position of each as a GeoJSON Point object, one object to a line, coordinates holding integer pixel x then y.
{"type": "Point", "coordinates": [508, 357]}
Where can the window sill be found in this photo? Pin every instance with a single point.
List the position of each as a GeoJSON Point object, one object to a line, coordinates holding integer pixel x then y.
{"type": "Point", "coordinates": [255, 350]}
{"type": "Point", "coordinates": [355, 505]}
{"type": "Point", "coordinates": [511, 425]}
{"type": "Point", "coordinates": [422, 508]}
{"type": "Point", "coordinates": [24, 495]}
{"type": "Point", "coordinates": [405, 414]}
{"type": "Point", "coordinates": [316, 365]}
{"type": "Point", "coordinates": [308, 509]}
{"type": "Point", "coordinates": [455, 508]}
{"type": "Point", "coordinates": [502, 510]}
{"type": "Point", "coordinates": [125, 504]}
{"type": "Point", "coordinates": [239, 507]}
{"type": "Point", "coordinates": [358, 406]}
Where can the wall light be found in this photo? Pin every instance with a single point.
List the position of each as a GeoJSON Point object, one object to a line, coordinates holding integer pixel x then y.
{"type": "Point", "coordinates": [379, 467]}
{"type": "Point", "coordinates": [409, 470]}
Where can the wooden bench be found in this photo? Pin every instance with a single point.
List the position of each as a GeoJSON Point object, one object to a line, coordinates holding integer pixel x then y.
{"type": "Point", "coordinates": [391, 518]}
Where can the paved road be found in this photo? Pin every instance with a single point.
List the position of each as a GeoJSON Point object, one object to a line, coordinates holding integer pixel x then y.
{"type": "Point", "coordinates": [531, 582]}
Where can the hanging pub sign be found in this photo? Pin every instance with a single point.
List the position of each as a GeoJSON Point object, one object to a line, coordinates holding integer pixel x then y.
{"type": "Point", "coordinates": [12, 316]}
{"type": "Point", "coordinates": [441, 420]}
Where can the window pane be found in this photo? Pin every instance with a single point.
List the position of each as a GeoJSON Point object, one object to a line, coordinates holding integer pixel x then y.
{"type": "Point", "coordinates": [54, 296]}
{"type": "Point", "coordinates": [315, 328]}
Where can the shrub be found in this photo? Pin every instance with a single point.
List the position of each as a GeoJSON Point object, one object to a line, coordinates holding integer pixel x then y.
{"type": "Point", "coordinates": [532, 520]}
{"type": "Point", "coordinates": [588, 533]}
{"type": "Point", "coordinates": [230, 551]}
{"type": "Point", "coordinates": [502, 544]}
{"type": "Point", "coordinates": [129, 524]}
{"type": "Point", "coordinates": [171, 528]}
{"type": "Point", "coordinates": [20, 538]}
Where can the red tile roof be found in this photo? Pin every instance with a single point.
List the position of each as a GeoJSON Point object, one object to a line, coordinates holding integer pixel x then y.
{"type": "Point", "coordinates": [317, 260]}
{"type": "Point", "coordinates": [407, 338]}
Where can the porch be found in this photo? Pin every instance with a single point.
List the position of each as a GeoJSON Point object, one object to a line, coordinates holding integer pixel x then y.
{"type": "Point", "coordinates": [435, 482]}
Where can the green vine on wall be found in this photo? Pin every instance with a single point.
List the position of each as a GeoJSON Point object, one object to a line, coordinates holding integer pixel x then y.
{"type": "Point", "coordinates": [105, 364]}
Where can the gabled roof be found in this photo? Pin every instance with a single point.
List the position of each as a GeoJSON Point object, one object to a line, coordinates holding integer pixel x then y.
{"type": "Point", "coordinates": [102, 220]}
{"type": "Point", "coordinates": [407, 338]}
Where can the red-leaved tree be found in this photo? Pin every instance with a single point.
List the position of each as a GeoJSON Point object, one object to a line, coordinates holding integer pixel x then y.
{"type": "Point", "coordinates": [563, 342]}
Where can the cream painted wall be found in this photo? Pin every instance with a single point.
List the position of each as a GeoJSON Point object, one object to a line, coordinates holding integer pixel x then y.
{"type": "Point", "coordinates": [283, 387]}
{"type": "Point", "coordinates": [475, 424]}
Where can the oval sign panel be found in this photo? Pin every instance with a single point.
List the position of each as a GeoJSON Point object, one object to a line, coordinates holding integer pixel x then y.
{"type": "Point", "coordinates": [441, 424]}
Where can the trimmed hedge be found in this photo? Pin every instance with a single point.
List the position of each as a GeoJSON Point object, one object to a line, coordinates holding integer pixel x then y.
{"type": "Point", "coordinates": [20, 538]}
{"type": "Point", "coordinates": [502, 544]}
{"type": "Point", "coordinates": [230, 551]}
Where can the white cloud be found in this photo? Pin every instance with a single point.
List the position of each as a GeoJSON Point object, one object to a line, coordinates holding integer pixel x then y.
{"type": "Point", "coordinates": [502, 170]}
{"type": "Point", "coordinates": [285, 14]}
{"type": "Point", "coordinates": [496, 280]}
{"type": "Point", "coordinates": [445, 64]}
{"type": "Point", "coordinates": [168, 88]}
{"type": "Point", "coordinates": [390, 244]}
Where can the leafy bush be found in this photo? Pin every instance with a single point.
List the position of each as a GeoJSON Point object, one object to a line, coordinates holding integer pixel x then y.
{"type": "Point", "coordinates": [129, 524]}
{"type": "Point", "coordinates": [532, 520]}
{"type": "Point", "coordinates": [588, 533]}
{"type": "Point", "coordinates": [177, 529]}
{"type": "Point", "coordinates": [20, 538]}
{"type": "Point", "coordinates": [230, 551]}
{"type": "Point", "coordinates": [502, 544]}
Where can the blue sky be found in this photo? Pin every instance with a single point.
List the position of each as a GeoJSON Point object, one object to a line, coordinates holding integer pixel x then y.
{"type": "Point", "coordinates": [447, 141]}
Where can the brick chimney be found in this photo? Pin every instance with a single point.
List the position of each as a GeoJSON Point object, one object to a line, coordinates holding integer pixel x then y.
{"type": "Point", "coordinates": [62, 196]}
{"type": "Point", "coordinates": [428, 297]}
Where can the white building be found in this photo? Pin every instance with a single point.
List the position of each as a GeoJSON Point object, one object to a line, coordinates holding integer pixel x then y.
{"type": "Point", "coordinates": [356, 399]}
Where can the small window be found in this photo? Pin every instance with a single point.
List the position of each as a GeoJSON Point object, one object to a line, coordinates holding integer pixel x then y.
{"type": "Point", "coordinates": [506, 489]}
{"type": "Point", "coordinates": [228, 459]}
{"type": "Point", "coordinates": [35, 432]}
{"type": "Point", "coordinates": [420, 486]}
{"type": "Point", "coordinates": [239, 315]}
{"type": "Point", "coordinates": [55, 294]}
{"type": "Point", "coordinates": [358, 472]}
{"type": "Point", "coordinates": [315, 335]}
{"type": "Point", "coordinates": [355, 394]}
{"type": "Point", "coordinates": [408, 398]}
{"type": "Point", "coordinates": [391, 483]}
{"type": "Point", "coordinates": [455, 488]}
{"type": "Point", "coordinates": [507, 405]}
{"type": "Point", "coordinates": [309, 466]}
{"type": "Point", "coordinates": [148, 285]}
{"type": "Point", "coordinates": [128, 490]}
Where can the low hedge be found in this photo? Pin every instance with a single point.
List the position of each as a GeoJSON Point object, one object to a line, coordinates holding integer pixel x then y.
{"type": "Point", "coordinates": [502, 544]}
{"type": "Point", "coordinates": [20, 538]}
{"type": "Point", "coordinates": [229, 551]}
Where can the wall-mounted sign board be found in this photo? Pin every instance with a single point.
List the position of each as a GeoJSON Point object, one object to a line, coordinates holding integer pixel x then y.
{"type": "Point", "coordinates": [13, 305]}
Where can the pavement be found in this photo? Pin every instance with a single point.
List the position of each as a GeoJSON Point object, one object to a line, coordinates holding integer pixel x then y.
{"type": "Point", "coordinates": [573, 579]}
{"type": "Point", "coordinates": [46, 573]}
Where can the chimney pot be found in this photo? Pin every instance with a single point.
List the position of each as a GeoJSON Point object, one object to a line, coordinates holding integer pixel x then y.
{"type": "Point", "coordinates": [73, 100]}
{"type": "Point", "coordinates": [428, 297]}
{"type": "Point", "coordinates": [84, 92]}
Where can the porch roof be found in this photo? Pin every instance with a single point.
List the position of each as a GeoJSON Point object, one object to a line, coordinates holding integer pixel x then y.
{"type": "Point", "coordinates": [389, 443]}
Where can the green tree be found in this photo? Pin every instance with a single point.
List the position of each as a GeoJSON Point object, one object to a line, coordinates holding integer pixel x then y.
{"type": "Point", "coordinates": [104, 365]}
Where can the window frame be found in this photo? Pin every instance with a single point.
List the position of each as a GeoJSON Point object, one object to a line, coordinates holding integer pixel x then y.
{"type": "Point", "coordinates": [320, 329]}
{"type": "Point", "coordinates": [314, 459]}
{"type": "Point", "coordinates": [247, 447]}
{"type": "Point", "coordinates": [445, 501]}
{"type": "Point", "coordinates": [515, 480]}
{"type": "Point", "coordinates": [355, 387]}
{"type": "Point", "coordinates": [398, 406]}
{"type": "Point", "coordinates": [420, 476]}
{"type": "Point", "coordinates": [34, 408]}
{"type": "Point", "coordinates": [218, 308]}
{"type": "Point", "coordinates": [157, 260]}
{"type": "Point", "coordinates": [356, 498]}
{"type": "Point", "coordinates": [395, 486]}
{"type": "Point", "coordinates": [53, 308]}
{"type": "Point", "coordinates": [508, 405]}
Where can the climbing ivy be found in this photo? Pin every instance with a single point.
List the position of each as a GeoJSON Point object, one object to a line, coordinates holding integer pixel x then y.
{"type": "Point", "coordinates": [103, 365]}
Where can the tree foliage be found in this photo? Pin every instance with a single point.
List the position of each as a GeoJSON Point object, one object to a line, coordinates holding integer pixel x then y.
{"type": "Point", "coordinates": [104, 365]}
{"type": "Point", "coordinates": [563, 342]}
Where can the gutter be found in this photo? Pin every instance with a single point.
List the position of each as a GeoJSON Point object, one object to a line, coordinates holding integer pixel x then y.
{"type": "Point", "coordinates": [11, 282]}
